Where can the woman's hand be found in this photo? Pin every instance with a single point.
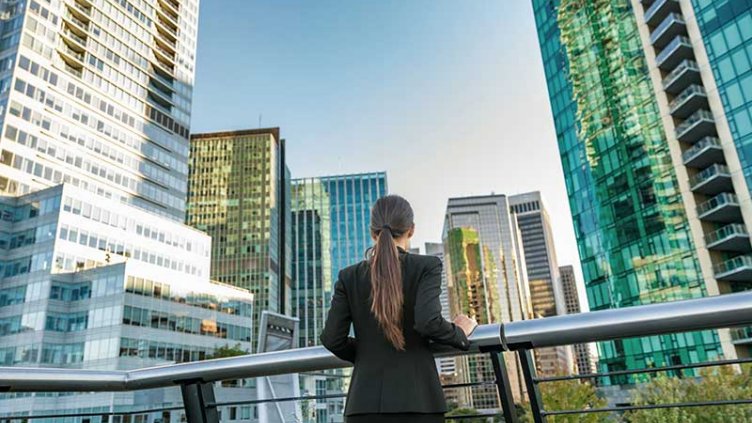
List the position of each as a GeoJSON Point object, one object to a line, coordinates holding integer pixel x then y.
{"type": "Point", "coordinates": [465, 323]}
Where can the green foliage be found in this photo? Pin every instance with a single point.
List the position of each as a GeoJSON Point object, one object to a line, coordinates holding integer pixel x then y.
{"type": "Point", "coordinates": [465, 411]}
{"type": "Point", "coordinates": [722, 383]}
{"type": "Point", "coordinates": [570, 395]}
{"type": "Point", "coordinates": [227, 351]}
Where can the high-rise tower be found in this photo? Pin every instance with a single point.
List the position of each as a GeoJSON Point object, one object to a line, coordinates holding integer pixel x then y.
{"type": "Point", "coordinates": [97, 93]}
{"type": "Point", "coordinates": [651, 120]}
{"type": "Point", "coordinates": [239, 193]}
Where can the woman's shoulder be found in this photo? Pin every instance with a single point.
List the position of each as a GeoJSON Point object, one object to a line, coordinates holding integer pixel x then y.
{"type": "Point", "coordinates": [353, 271]}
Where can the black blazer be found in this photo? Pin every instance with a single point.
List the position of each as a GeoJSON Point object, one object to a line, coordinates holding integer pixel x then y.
{"type": "Point", "coordinates": [386, 380]}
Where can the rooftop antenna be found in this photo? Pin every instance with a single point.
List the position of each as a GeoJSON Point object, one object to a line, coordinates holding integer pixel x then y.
{"type": "Point", "coordinates": [259, 124]}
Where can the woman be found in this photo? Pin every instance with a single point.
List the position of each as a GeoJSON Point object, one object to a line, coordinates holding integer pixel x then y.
{"type": "Point", "coordinates": [392, 301]}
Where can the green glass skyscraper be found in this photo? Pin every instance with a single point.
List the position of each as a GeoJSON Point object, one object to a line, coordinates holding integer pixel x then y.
{"type": "Point", "coordinates": [656, 189]}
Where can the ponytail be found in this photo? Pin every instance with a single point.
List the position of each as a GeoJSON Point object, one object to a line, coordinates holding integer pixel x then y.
{"type": "Point", "coordinates": [386, 288]}
{"type": "Point", "coordinates": [391, 217]}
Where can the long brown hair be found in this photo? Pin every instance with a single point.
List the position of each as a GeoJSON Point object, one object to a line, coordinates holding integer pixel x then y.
{"type": "Point", "coordinates": [391, 217]}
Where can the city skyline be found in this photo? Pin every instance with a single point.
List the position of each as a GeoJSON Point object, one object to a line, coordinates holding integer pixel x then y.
{"type": "Point", "coordinates": [494, 107]}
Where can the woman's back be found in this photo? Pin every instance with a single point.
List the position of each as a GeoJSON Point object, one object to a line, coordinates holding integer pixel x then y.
{"type": "Point", "coordinates": [387, 380]}
{"type": "Point", "coordinates": [392, 301]}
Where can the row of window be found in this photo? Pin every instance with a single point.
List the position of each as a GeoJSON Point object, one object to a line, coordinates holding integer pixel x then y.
{"type": "Point", "coordinates": [58, 354]}
{"type": "Point", "coordinates": [149, 288]}
{"type": "Point", "coordinates": [25, 265]}
{"type": "Point", "coordinates": [113, 245]}
{"type": "Point", "coordinates": [28, 237]}
{"type": "Point", "coordinates": [136, 316]}
{"type": "Point", "coordinates": [98, 214]}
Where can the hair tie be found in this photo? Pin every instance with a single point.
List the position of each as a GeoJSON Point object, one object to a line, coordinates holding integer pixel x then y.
{"type": "Point", "coordinates": [386, 227]}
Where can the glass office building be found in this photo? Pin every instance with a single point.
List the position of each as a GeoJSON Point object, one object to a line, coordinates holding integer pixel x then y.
{"type": "Point", "coordinates": [86, 283]}
{"type": "Point", "coordinates": [239, 193]}
{"type": "Point", "coordinates": [97, 94]}
{"type": "Point", "coordinates": [655, 181]}
{"type": "Point", "coordinates": [331, 219]}
{"type": "Point", "coordinates": [486, 277]}
{"type": "Point", "coordinates": [544, 281]}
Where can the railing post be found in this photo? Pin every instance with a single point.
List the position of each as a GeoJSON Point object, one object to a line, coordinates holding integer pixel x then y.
{"type": "Point", "coordinates": [502, 384]}
{"type": "Point", "coordinates": [528, 370]}
{"type": "Point", "coordinates": [199, 402]}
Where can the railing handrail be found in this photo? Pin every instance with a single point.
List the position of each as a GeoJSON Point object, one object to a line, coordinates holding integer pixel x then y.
{"type": "Point", "coordinates": [715, 312]}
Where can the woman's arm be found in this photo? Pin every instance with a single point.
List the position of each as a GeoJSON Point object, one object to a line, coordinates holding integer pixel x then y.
{"type": "Point", "coordinates": [335, 334]}
{"type": "Point", "coordinates": [428, 319]}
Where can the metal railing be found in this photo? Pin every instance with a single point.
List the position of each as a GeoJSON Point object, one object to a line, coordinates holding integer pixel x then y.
{"type": "Point", "coordinates": [195, 378]}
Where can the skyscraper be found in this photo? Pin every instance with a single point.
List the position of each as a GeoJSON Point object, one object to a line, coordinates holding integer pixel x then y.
{"type": "Point", "coordinates": [331, 219]}
{"type": "Point", "coordinates": [239, 193]}
{"type": "Point", "coordinates": [546, 296]}
{"type": "Point", "coordinates": [656, 187]}
{"type": "Point", "coordinates": [98, 94]}
{"type": "Point", "coordinates": [485, 277]}
{"type": "Point", "coordinates": [583, 353]}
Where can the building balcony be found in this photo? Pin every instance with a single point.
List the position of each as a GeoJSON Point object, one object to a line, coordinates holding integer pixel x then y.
{"type": "Point", "coordinates": [688, 102]}
{"type": "Point", "coordinates": [714, 179]}
{"type": "Point", "coordinates": [172, 32]}
{"type": "Point", "coordinates": [157, 64]}
{"type": "Point", "coordinates": [70, 55]}
{"type": "Point", "coordinates": [696, 127]}
{"type": "Point", "coordinates": [72, 40]}
{"type": "Point", "coordinates": [732, 237]}
{"type": "Point", "coordinates": [741, 335]}
{"type": "Point", "coordinates": [77, 24]}
{"type": "Point", "coordinates": [164, 55]}
{"type": "Point", "coordinates": [679, 49]}
{"type": "Point", "coordinates": [723, 208]}
{"type": "Point", "coordinates": [658, 11]}
{"type": "Point", "coordinates": [706, 152]}
{"type": "Point", "coordinates": [668, 29]}
{"type": "Point", "coordinates": [684, 75]}
{"type": "Point", "coordinates": [162, 12]}
{"type": "Point", "coordinates": [735, 270]}
{"type": "Point", "coordinates": [171, 6]}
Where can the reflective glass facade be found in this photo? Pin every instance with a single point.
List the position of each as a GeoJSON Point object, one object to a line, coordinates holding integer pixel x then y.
{"type": "Point", "coordinates": [330, 221]}
{"type": "Point", "coordinates": [238, 193]}
{"type": "Point", "coordinates": [486, 278]}
{"type": "Point", "coordinates": [100, 285]}
{"type": "Point", "coordinates": [726, 27]}
{"type": "Point", "coordinates": [631, 226]}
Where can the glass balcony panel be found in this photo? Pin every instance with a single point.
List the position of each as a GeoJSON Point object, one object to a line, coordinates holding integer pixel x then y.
{"type": "Point", "coordinates": [697, 126]}
{"type": "Point", "coordinates": [723, 208]}
{"type": "Point", "coordinates": [688, 102]}
{"type": "Point", "coordinates": [737, 269]}
{"type": "Point", "coordinates": [685, 74]}
{"type": "Point", "coordinates": [732, 237]}
{"type": "Point", "coordinates": [713, 179]}
{"type": "Point", "coordinates": [679, 49]}
{"type": "Point", "coordinates": [669, 28]}
{"type": "Point", "coordinates": [658, 11]}
{"type": "Point", "coordinates": [706, 152]}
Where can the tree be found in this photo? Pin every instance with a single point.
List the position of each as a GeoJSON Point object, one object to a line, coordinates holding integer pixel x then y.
{"type": "Point", "coordinates": [465, 412]}
{"type": "Point", "coordinates": [720, 383]}
{"type": "Point", "coordinates": [570, 395]}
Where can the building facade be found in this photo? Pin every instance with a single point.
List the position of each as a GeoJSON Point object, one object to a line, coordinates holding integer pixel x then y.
{"type": "Point", "coordinates": [331, 219]}
{"type": "Point", "coordinates": [97, 94]}
{"type": "Point", "coordinates": [239, 194]}
{"type": "Point", "coordinates": [544, 281]}
{"type": "Point", "coordinates": [486, 279]}
{"type": "Point", "coordinates": [656, 187]}
{"type": "Point", "coordinates": [86, 283]}
{"type": "Point", "coordinates": [583, 353]}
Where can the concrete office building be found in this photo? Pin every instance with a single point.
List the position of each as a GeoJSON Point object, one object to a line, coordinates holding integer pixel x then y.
{"type": "Point", "coordinates": [93, 284]}
{"type": "Point", "coordinates": [331, 219]}
{"type": "Point", "coordinates": [652, 129]}
{"type": "Point", "coordinates": [486, 279]}
{"type": "Point", "coordinates": [583, 353]}
{"type": "Point", "coordinates": [239, 194]}
{"type": "Point", "coordinates": [97, 94]}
